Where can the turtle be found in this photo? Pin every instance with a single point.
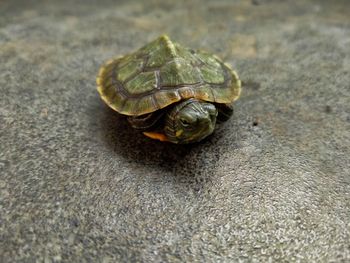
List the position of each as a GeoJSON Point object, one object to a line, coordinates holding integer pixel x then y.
{"type": "Point", "coordinates": [170, 92]}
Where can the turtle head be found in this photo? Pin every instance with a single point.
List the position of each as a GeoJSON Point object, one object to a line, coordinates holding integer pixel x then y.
{"type": "Point", "coordinates": [190, 121]}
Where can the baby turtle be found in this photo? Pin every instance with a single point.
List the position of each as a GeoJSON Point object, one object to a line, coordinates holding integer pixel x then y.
{"type": "Point", "coordinates": [169, 92]}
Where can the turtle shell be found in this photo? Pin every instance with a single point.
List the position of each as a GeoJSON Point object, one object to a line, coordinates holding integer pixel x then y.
{"type": "Point", "coordinates": [162, 73]}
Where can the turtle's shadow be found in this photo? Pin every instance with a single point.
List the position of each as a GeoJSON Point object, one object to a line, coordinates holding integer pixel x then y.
{"type": "Point", "coordinates": [190, 165]}
{"type": "Point", "coordinates": [134, 146]}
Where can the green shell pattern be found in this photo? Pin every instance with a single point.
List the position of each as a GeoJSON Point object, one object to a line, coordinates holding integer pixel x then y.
{"type": "Point", "coordinates": [162, 73]}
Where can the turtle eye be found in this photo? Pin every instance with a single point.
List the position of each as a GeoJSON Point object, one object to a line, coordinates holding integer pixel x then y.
{"type": "Point", "coordinates": [185, 122]}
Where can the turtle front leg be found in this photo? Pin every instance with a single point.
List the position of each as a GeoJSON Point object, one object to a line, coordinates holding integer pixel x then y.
{"type": "Point", "coordinates": [149, 124]}
{"type": "Point", "coordinates": [156, 136]}
{"type": "Point", "coordinates": [225, 111]}
{"type": "Point", "coordinates": [145, 122]}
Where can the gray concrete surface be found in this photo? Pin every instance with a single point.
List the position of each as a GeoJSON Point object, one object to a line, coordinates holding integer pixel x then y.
{"type": "Point", "coordinates": [78, 185]}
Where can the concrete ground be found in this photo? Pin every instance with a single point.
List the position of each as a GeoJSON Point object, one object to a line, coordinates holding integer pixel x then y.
{"type": "Point", "coordinates": [77, 184]}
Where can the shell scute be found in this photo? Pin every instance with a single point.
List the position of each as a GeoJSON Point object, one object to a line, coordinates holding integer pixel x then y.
{"type": "Point", "coordinates": [141, 83]}
{"type": "Point", "coordinates": [167, 97]}
{"type": "Point", "coordinates": [179, 72]}
{"type": "Point", "coordinates": [212, 75]}
{"type": "Point", "coordinates": [146, 103]}
{"type": "Point", "coordinates": [129, 69]}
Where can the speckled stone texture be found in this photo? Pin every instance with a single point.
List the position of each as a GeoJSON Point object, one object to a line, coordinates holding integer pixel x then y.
{"type": "Point", "coordinates": [272, 184]}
